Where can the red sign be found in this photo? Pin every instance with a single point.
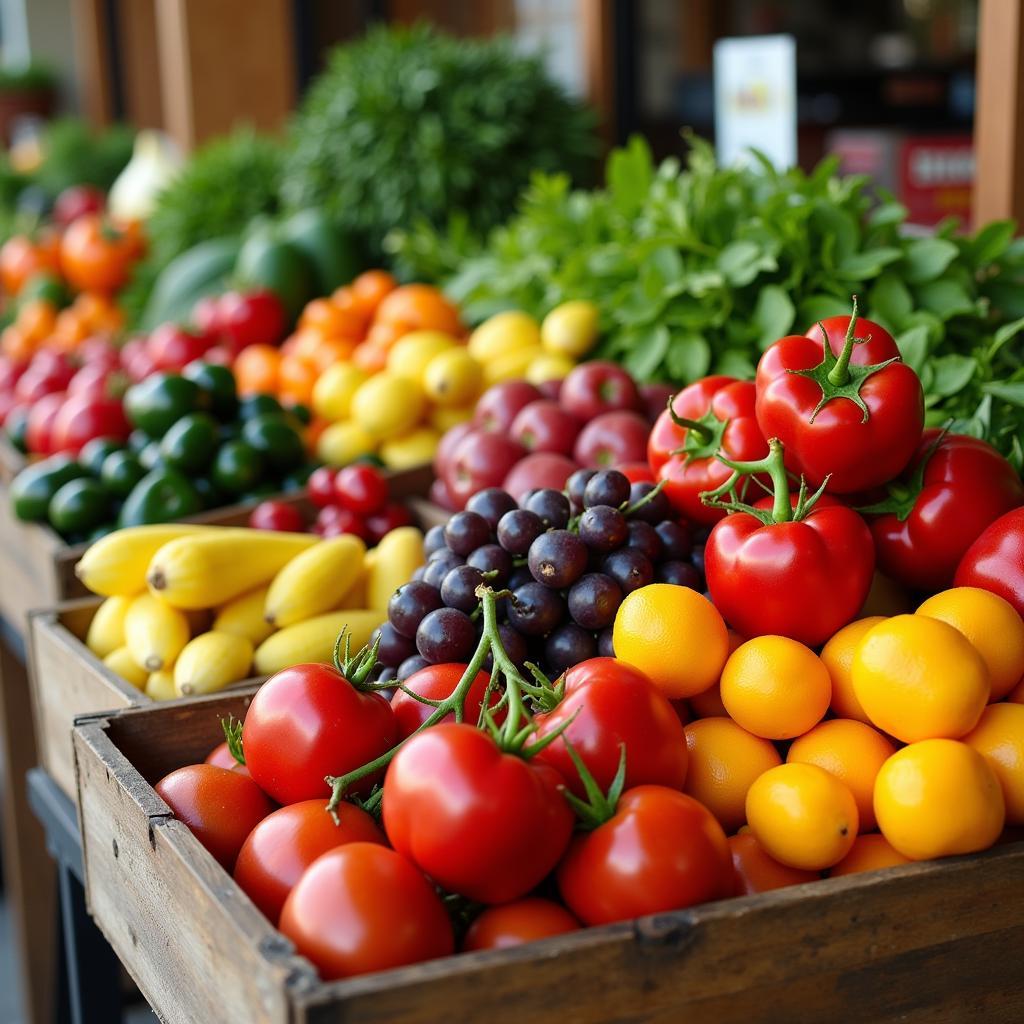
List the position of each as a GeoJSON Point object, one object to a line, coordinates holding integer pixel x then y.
{"type": "Point", "coordinates": [936, 177]}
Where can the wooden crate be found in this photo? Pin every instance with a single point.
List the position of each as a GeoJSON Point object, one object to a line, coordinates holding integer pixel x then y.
{"type": "Point", "coordinates": [39, 567]}
{"type": "Point", "coordinates": [938, 941]}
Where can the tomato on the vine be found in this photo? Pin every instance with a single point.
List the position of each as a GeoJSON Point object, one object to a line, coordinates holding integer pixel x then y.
{"type": "Point", "coordinates": [362, 907]}
{"type": "Point", "coordinates": [435, 682]}
{"type": "Point", "coordinates": [611, 705]}
{"type": "Point", "coordinates": [95, 256]}
{"type": "Point", "coordinates": [219, 805]}
{"type": "Point", "coordinates": [484, 823]}
{"type": "Point", "coordinates": [280, 848]}
{"type": "Point", "coordinates": [308, 722]}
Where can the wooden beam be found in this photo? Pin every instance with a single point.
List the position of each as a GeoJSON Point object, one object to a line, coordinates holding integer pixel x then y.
{"type": "Point", "coordinates": [225, 63]}
{"type": "Point", "coordinates": [999, 116]}
{"type": "Point", "coordinates": [93, 60]}
{"type": "Point", "coordinates": [595, 18]}
{"type": "Point", "coordinates": [140, 62]}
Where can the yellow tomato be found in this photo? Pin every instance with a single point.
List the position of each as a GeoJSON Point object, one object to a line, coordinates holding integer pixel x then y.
{"type": "Point", "coordinates": [775, 687]}
{"type": "Point", "coordinates": [411, 353]}
{"type": "Point", "coordinates": [412, 449]}
{"type": "Point", "coordinates": [344, 442]}
{"type": "Point", "coordinates": [837, 655]}
{"type": "Point", "coordinates": [504, 333]}
{"type": "Point", "coordinates": [333, 391]}
{"type": "Point", "coordinates": [673, 634]}
{"type": "Point", "coordinates": [991, 624]}
{"type": "Point", "coordinates": [999, 738]}
{"type": "Point", "coordinates": [937, 798]}
{"type": "Point", "coordinates": [570, 329]}
{"type": "Point", "coordinates": [803, 816]}
{"type": "Point", "coordinates": [918, 678]}
{"type": "Point", "coordinates": [509, 365]}
{"type": "Point", "coordinates": [548, 367]}
{"type": "Point", "coordinates": [453, 378]}
{"type": "Point", "coordinates": [869, 853]}
{"type": "Point", "coordinates": [443, 419]}
{"type": "Point", "coordinates": [387, 406]}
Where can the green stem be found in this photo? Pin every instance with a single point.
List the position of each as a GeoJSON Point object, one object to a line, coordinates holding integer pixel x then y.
{"type": "Point", "coordinates": [773, 464]}
{"type": "Point", "coordinates": [840, 373]}
{"type": "Point", "coordinates": [702, 430]}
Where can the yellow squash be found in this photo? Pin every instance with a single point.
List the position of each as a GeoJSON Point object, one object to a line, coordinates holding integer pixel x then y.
{"type": "Point", "coordinates": [315, 581]}
{"type": "Point", "coordinates": [314, 639]}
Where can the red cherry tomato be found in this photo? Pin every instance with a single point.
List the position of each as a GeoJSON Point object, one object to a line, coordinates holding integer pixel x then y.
{"type": "Point", "coordinates": [220, 806]}
{"type": "Point", "coordinates": [320, 486]}
{"type": "Point", "coordinates": [308, 722]}
{"type": "Point", "coordinates": [995, 561]}
{"type": "Point", "coordinates": [251, 318]}
{"type": "Point", "coordinates": [480, 822]}
{"type": "Point", "coordinates": [513, 924]}
{"type": "Point", "coordinates": [85, 416]}
{"type": "Point", "coordinates": [172, 347]}
{"type": "Point", "coordinates": [435, 682]}
{"type": "Point", "coordinates": [361, 908]}
{"type": "Point", "coordinates": [41, 416]}
{"type": "Point", "coordinates": [391, 517]}
{"type": "Point", "coordinates": [280, 848]}
{"type": "Point", "coordinates": [610, 704]}
{"type": "Point", "coordinates": [333, 520]}
{"type": "Point", "coordinates": [361, 489]}
{"type": "Point", "coordinates": [76, 201]}
{"type": "Point", "coordinates": [661, 851]}
{"type": "Point", "coordinates": [277, 515]}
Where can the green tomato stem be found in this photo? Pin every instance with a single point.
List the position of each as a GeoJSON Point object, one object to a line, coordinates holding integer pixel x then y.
{"type": "Point", "coordinates": [840, 373]}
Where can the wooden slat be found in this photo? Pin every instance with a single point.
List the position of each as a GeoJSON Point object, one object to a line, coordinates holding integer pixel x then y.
{"type": "Point", "coordinates": [93, 60]}
{"type": "Point", "coordinates": [596, 22]}
{"type": "Point", "coordinates": [999, 112]}
{"type": "Point", "coordinates": [140, 63]}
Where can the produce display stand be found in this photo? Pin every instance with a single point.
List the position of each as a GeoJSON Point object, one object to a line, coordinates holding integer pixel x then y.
{"type": "Point", "coordinates": [927, 941]}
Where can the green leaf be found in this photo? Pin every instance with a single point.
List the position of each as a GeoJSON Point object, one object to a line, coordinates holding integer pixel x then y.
{"type": "Point", "coordinates": [992, 241]}
{"type": "Point", "coordinates": [735, 363]}
{"type": "Point", "coordinates": [889, 301]}
{"type": "Point", "coordinates": [944, 298]}
{"type": "Point", "coordinates": [688, 359]}
{"type": "Point", "coordinates": [1013, 393]}
{"type": "Point", "coordinates": [743, 260]}
{"type": "Point", "coordinates": [927, 258]}
{"type": "Point", "coordinates": [835, 223]}
{"type": "Point", "coordinates": [887, 213]}
{"type": "Point", "coordinates": [773, 314]}
{"type": "Point", "coordinates": [630, 172]}
{"type": "Point", "coordinates": [861, 266]}
{"type": "Point", "coordinates": [953, 373]}
{"type": "Point", "coordinates": [1004, 335]}
{"type": "Point", "coordinates": [914, 346]}
{"type": "Point", "coordinates": [647, 352]}
{"type": "Point", "coordinates": [821, 307]}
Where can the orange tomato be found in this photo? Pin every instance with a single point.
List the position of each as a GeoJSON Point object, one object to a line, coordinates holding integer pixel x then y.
{"type": "Point", "coordinates": [69, 331]}
{"type": "Point", "coordinates": [756, 871]}
{"type": "Point", "coordinates": [331, 321]}
{"type": "Point", "coordinates": [370, 288]}
{"type": "Point", "coordinates": [295, 380]}
{"type": "Point", "coordinates": [97, 312]}
{"type": "Point", "coordinates": [21, 258]}
{"type": "Point", "coordinates": [415, 306]}
{"type": "Point", "coordinates": [331, 351]}
{"type": "Point", "coordinates": [37, 319]}
{"type": "Point", "coordinates": [256, 370]}
{"type": "Point", "coordinates": [15, 344]}
{"type": "Point", "coordinates": [96, 256]}
{"type": "Point", "coordinates": [384, 336]}
{"type": "Point", "coordinates": [370, 357]}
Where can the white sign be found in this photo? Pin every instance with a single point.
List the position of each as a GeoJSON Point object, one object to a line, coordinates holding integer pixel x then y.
{"type": "Point", "coordinates": [755, 99]}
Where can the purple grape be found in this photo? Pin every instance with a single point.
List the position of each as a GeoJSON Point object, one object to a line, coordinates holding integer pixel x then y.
{"type": "Point", "coordinates": [409, 604]}
{"type": "Point", "coordinates": [655, 510]}
{"type": "Point", "coordinates": [446, 634]}
{"type": "Point", "coordinates": [467, 531]}
{"type": "Point", "coordinates": [433, 539]}
{"type": "Point", "coordinates": [552, 506]}
{"type": "Point", "coordinates": [386, 674]}
{"type": "Point", "coordinates": [630, 568]}
{"type": "Point", "coordinates": [604, 644]}
{"type": "Point", "coordinates": [535, 609]}
{"type": "Point", "coordinates": [519, 577]}
{"type": "Point", "coordinates": [515, 647]}
{"type": "Point", "coordinates": [518, 529]}
{"type": "Point", "coordinates": [594, 599]}
{"type": "Point", "coordinates": [697, 557]}
{"type": "Point", "coordinates": [557, 558]}
{"type": "Point", "coordinates": [417, 573]}
{"type": "Point", "coordinates": [567, 646]}
{"type": "Point", "coordinates": [643, 537]}
{"type": "Point", "coordinates": [439, 566]}
{"type": "Point", "coordinates": [575, 486]}
{"type": "Point", "coordinates": [603, 528]}
{"type": "Point", "coordinates": [459, 588]}
{"type": "Point", "coordinates": [394, 648]}
{"type": "Point", "coordinates": [411, 665]}
{"type": "Point", "coordinates": [608, 487]}
{"type": "Point", "coordinates": [675, 539]}
{"type": "Point", "coordinates": [682, 574]}
{"type": "Point", "coordinates": [492, 558]}
{"type": "Point", "coordinates": [491, 503]}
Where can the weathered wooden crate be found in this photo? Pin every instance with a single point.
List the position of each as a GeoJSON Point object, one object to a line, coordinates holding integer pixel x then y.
{"type": "Point", "coordinates": [938, 941]}
{"type": "Point", "coordinates": [37, 568]}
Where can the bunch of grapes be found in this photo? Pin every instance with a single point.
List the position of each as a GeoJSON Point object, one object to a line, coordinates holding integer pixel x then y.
{"type": "Point", "coordinates": [567, 558]}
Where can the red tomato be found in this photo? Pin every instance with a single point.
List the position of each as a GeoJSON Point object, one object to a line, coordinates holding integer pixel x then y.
{"type": "Point", "coordinates": [172, 347]}
{"type": "Point", "coordinates": [76, 201]}
{"type": "Point", "coordinates": [362, 907]}
{"type": "Point", "coordinates": [859, 446]}
{"type": "Point", "coordinates": [361, 489]}
{"type": "Point", "coordinates": [720, 411]}
{"type": "Point", "coordinates": [221, 757]}
{"type": "Point", "coordinates": [755, 871]}
{"type": "Point", "coordinates": [636, 472]}
{"type": "Point", "coordinates": [435, 682]}
{"type": "Point", "coordinates": [43, 379]}
{"type": "Point", "coordinates": [333, 520]}
{"type": "Point", "coordinates": [393, 515]}
{"type": "Point", "coordinates": [610, 704]}
{"type": "Point", "coordinates": [41, 416]}
{"type": "Point", "coordinates": [514, 923]}
{"type": "Point", "coordinates": [83, 417]}
{"type": "Point", "coordinates": [308, 722]}
{"type": "Point", "coordinates": [277, 515]}
{"type": "Point", "coordinates": [220, 806]}
{"type": "Point", "coordinates": [280, 848]}
{"type": "Point", "coordinates": [21, 258]}
{"type": "Point", "coordinates": [251, 318]}
{"type": "Point", "coordinates": [661, 851]}
{"type": "Point", "coordinates": [97, 257]}
{"type": "Point", "coordinates": [995, 561]}
{"type": "Point", "coordinates": [321, 486]}
{"type": "Point", "coordinates": [480, 822]}
{"type": "Point", "coordinates": [950, 494]}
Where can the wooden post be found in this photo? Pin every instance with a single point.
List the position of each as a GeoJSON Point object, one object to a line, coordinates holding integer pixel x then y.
{"type": "Point", "coordinates": [999, 112]}
{"type": "Point", "coordinates": [93, 58]}
{"type": "Point", "coordinates": [225, 63]}
{"type": "Point", "coordinates": [596, 20]}
{"type": "Point", "coordinates": [139, 62]}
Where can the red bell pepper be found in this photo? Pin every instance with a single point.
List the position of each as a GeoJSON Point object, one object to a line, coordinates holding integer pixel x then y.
{"type": "Point", "coordinates": [800, 569]}
{"type": "Point", "coordinates": [842, 405]}
{"type": "Point", "coordinates": [712, 415]}
{"type": "Point", "coordinates": [995, 561]}
{"type": "Point", "coordinates": [953, 488]}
